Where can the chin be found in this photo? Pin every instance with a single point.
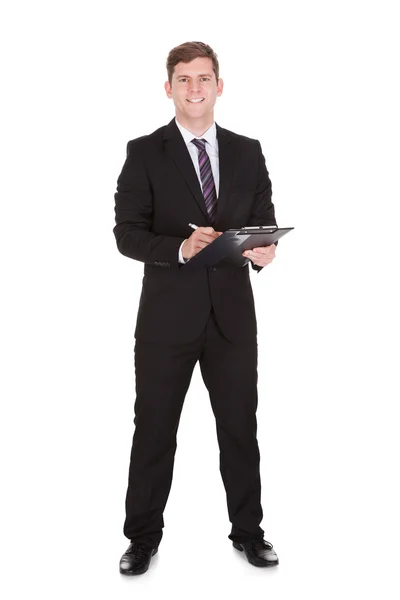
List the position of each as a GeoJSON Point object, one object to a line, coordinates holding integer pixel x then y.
{"type": "Point", "coordinates": [195, 115]}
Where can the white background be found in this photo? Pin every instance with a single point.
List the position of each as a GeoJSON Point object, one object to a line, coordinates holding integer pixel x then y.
{"type": "Point", "coordinates": [317, 83]}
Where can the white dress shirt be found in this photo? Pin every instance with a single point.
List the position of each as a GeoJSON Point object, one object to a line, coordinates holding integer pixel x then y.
{"type": "Point", "coordinates": [211, 148]}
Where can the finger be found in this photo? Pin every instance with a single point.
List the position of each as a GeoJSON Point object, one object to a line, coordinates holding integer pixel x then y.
{"type": "Point", "coordinates": [206, 238]}
{"type": "Point", "coordinates": [268, 250]}
{"type": "Point", "coordinates": [202, 236]}
{"type": "Point", "coordinates": [257, 256]}
{"type": "Point", "coordinates": [199, 246]}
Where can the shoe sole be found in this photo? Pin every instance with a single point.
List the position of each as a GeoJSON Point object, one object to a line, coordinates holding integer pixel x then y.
{"type": "Point", "coordinates": [252, 562]}
{"type": "Point", "coordinates": [130, 573]}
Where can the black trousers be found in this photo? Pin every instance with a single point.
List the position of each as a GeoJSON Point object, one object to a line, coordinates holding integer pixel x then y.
{"type": "Point", "coordinates": [163, 374]}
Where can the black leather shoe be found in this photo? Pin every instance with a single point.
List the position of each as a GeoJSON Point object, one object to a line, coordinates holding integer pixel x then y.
{"type": "Point", "coordinates": [259, 553]}
{"type": "Point", "coordinates": [136, 559]}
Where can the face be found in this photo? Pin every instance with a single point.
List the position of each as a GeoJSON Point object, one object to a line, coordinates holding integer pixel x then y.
{"type": "Point", "coordinates": [194, 91]}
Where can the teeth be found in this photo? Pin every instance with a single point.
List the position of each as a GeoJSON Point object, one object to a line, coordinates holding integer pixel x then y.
{"type": "Point", "coordinates": [196, 100]}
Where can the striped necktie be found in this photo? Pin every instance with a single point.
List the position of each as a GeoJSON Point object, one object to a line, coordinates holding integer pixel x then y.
{"type": "Point", "coordinates": [207, 180]}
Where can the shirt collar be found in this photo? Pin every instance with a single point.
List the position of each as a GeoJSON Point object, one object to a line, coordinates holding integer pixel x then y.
{"type": "Point", "coordinates": [210, 135]}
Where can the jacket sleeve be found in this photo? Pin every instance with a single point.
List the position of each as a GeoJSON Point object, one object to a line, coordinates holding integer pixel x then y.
{"type": "Point", "coordinates": [263, 210]}
{"type": "Point", "coordinates": [134, 216]}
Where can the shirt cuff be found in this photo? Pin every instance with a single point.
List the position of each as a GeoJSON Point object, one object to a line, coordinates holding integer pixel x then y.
{"type": "Point", "coordinates": [180, 257]}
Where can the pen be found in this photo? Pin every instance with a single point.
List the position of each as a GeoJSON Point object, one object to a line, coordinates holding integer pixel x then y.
{"type": "Point", "coordinates": [193, 226]}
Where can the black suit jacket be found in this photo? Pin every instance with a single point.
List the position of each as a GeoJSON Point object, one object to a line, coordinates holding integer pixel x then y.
{"type": "Point", "coordinates": [158, 194]}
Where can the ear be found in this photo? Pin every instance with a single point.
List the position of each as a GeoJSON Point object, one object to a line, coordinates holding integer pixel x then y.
{"type": "Point", "coordinates": [220, 86]}
{"type": "Point", "coordinates": [168, 89]}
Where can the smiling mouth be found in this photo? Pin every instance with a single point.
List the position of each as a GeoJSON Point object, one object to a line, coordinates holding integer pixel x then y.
{"type": "Point", "coordinates": [195, 100]}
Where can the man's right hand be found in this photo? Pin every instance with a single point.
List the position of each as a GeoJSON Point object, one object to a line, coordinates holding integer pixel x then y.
{"type": "Point", "coordinates": [200, 238]}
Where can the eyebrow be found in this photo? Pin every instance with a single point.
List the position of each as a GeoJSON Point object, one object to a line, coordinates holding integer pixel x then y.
{"type": "Point", "coordinates": [201, 75]}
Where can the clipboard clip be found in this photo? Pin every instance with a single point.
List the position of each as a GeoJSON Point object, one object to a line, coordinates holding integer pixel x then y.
{"type": "Point", "coordinates": [261, 227]}
{"type": "Point", "coordinates": [254, 230]}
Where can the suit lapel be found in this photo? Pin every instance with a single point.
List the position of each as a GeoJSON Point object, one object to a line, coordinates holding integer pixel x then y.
{"type": "Point", "coordinates": [227, 152]}
{"type": "Point", "coordinates": [178, 151]}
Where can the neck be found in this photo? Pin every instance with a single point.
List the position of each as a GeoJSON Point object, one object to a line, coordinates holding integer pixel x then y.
{"type": "Point", "coordinates": [196, 126]}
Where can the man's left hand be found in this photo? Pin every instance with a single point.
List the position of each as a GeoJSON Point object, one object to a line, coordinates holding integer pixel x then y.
{"type": "Point", "coordinates": [261, 256]}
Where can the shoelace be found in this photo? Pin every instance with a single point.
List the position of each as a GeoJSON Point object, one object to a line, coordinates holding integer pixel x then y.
{"type": "Point", "coordinates": [261, 545]}
{"type": "Point", "coordinates": [139, 550]}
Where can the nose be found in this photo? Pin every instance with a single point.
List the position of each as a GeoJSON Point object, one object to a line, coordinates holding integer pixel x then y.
{"type": "Point", "coordinates": [194, 86]}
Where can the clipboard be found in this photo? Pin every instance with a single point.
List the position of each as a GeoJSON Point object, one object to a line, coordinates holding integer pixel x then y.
{"type": "Point", "coordinates": [233, 242]}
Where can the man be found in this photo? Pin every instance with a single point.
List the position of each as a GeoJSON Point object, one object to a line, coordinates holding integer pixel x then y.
{"type": "Point", "coordinates": [192, 171]}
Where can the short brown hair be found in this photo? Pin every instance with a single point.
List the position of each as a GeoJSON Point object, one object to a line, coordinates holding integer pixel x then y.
{"type": "Point", "coordinates": [189, 51]}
